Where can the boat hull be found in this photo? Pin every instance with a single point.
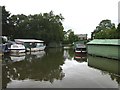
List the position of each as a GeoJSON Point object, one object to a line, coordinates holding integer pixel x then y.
{"type": "Point", "coordinates": [17, 48]}
{"type": "Point", "coordinates": [80, 52]}
{"type": "Point", "coordinates": [17, 51]}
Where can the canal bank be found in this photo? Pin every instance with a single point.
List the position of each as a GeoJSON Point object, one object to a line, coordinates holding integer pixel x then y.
{"type": "Point", "coordinates": [109, 48]}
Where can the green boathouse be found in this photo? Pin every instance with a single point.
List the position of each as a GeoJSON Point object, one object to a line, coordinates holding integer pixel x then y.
{"type": "Point", "coordinates": [109, 48]}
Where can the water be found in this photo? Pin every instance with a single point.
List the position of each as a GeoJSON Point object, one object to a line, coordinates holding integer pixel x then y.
{"type": "Point", "coordinates": [58, 68]}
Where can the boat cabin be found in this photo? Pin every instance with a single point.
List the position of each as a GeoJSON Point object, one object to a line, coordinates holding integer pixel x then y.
{"type": "Point", "coordinates": [32, 44]}
{"type": "Point", "coordinates": [80, 47]}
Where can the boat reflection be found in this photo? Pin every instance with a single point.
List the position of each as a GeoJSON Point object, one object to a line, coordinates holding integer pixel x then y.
{"type": "Point", "coordinates": [80, 57]}
{"type": "Point", "coordinates": [45, 68]}
{"type": "Point", "coordinates": [37, 54]}
{"type": "Point", "coordinates": [106, 66]}
{"type": "Point", "coordinates": [17, 57]}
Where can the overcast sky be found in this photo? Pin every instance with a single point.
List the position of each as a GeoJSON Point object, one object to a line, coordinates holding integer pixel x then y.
{"type": "Point", "coordinates": [82, 16]}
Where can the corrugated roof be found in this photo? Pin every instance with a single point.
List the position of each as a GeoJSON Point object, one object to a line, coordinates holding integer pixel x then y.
{"type": "Point", "coordinates": [27, 40]}
{"type": "Point", "coordinates": [105, 41]}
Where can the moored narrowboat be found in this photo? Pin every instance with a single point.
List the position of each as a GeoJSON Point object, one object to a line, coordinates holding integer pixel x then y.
{"type": "Point", "coordinates": [80, 47]}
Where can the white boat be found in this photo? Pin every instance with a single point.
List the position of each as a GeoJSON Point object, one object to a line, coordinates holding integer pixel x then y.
{"type": "Point", "coordinates": [38, 47]}
{"type": "Point", "coordinates": [17, 54]}
{"type": "Point", "coordinates": [17, 48]}
{"type": "Point", "coordinates": [32, 44]}
{"type": "Point", "coordinates": [80, 48]}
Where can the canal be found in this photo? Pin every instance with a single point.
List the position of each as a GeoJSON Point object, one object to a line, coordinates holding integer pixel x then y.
{"type": "Point", "coordinates": [58, 68]}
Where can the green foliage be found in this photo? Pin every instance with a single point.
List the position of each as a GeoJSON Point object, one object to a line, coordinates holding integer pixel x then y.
{"type": "Point", "coordinates": [118, 30]}
{"type": "Point", "coordinates": [6, 26]}
{"type": "Point", "coordinates": [46, 26]}
{"type": "Point", "coordinates": [70, 37]}
{"type": "Point", "coordinates": [105, 30]}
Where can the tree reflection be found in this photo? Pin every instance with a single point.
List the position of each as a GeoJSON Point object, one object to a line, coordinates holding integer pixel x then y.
{"type": "Point", "coordinates": [46, 68]}
{"type": "Point", "coordinates": [68, 54]}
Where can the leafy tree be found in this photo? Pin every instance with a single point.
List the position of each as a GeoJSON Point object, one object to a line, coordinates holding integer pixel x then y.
{"type": "Point", "coordinates": [105, 30]}
{"type": "Point", "coordinates": [76, 38]}
{"type": "Point", "coordinates": [118, 30]}
{"type": "Point", "coordinates": [6, 26]}
{"type": "Point", "coordinates": [70, 37]}
{"type": "Point", "coordinates": [52, 27]}
{"type": "Point", "coordinates": [19, 25]}
{"type": "Point", "coordinates": [46, 26]}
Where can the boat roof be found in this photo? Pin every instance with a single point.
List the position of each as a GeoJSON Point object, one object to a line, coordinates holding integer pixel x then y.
{"type": "Point", "coordinates": [104, 42]}
{"type": "Point", "coordinates": [28, 40]}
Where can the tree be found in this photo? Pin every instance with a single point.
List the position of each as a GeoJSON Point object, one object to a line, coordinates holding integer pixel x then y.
{"type": "Point", "coordinates": [19, 25]}
{"type": "Point", "coordinates": [53, 28]}
{"type": "Point", "coordinates": [118, 31]}
{"type": "Point", "coordinates": [105, 30]}
{"type": "Point", "coordinates": [46, 26]}
{"type": "Point", "coordinates": [70, 37]}
{"type": "Point", "coordinates": [6, 26]}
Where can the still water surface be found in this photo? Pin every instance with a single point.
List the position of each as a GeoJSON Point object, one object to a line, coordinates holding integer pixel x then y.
{"type": "Point", "coordinates": [58, 68]}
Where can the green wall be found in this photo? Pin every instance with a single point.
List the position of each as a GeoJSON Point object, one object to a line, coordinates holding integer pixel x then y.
{"type": "Point", "coordinates": [110, 51]}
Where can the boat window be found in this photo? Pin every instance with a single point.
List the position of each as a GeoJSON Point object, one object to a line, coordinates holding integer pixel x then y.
{"type": "Point", "coordinates": [15, 46]}
{"type": "Point", "coordinates": [39, 44]}
{"type": "Point", "coordinates": [78, 49]}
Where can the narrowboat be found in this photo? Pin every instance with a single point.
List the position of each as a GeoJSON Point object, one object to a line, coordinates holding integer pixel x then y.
{"type": "Point", "coordinates": [80, 47]}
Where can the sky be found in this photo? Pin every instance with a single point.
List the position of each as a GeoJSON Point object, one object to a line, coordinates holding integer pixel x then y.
{"type": "Point", "coordinates": [82, 16]}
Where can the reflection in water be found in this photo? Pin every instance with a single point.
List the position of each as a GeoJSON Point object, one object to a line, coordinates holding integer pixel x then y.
{"type": "Point", "coordinates": [82, 57]}
{"type": "Point", "coordinates": [68, 54]}
{"type": "Point", "coordinates": [107, 66]}
{"type": "Point", "coordinates": [17, 58]}
{"type": "Point", "coordinates": [45, 68]}
{"type": "Point", "coordinates": [48, 68]}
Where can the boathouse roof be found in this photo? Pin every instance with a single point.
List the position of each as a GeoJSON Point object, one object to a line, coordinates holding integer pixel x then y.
{"type": "Point", "coordinates": [28, 40]}
{"type": "Point", "coordinates": [104, 42]}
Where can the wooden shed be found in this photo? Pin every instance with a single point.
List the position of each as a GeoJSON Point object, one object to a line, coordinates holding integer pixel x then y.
{"type": "Point", "coordinates": [109, 48]}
